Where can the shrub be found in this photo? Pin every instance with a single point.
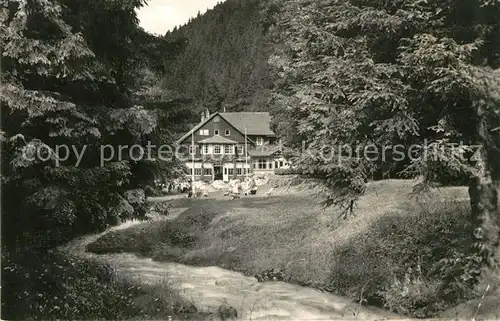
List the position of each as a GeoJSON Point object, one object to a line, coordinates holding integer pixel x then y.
{"type": "Point", "coordinates": [285, 171]}
{"type": "Point", "coordinates": [416, 264]}
{"type": "Point", "coordinates": [46, 286]}
{"type": "Point", "coordinates": [151, 191]}
{"type": "Point", "coordinates": [413, 294]}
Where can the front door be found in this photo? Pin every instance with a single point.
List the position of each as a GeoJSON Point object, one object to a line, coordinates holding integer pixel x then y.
{"type": "Point", "coordinates": [217, 173]}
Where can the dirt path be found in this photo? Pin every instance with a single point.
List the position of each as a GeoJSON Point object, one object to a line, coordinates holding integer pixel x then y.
{"type": "Point", "coordinates": [208, 287]}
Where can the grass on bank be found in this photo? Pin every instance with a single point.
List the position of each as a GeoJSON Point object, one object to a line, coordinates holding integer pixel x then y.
{"type": "Point", "coordinates": [407, 255]}
{"type": "Point", "coordinates": [54, 286]}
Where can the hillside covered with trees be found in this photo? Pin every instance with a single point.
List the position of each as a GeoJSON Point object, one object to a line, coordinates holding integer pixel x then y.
{"type": "Point", "coordinates": [223, 63]}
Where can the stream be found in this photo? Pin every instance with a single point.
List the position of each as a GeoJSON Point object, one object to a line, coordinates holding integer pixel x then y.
{"type": "Point", "coordinates": [208, 287]}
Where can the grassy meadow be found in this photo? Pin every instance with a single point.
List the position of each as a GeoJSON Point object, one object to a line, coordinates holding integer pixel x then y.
{"type": "Point", "coordinates": [406, 254]}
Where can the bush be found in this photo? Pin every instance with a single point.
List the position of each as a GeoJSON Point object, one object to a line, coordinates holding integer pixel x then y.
{"type": "Point", "coordinates": [44, 286]}
{"type": "Point", "coordinates": [285, 171]}
{"type": "Point", "coordinates": [151, 191]}
{"type": "Point", "coordinates": [416, 264]}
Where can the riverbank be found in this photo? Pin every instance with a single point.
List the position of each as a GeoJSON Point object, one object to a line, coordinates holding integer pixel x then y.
{"type": "Point", "coordinates": [387, 255]}
{"type": "Point", "coordinates": [209, 287]}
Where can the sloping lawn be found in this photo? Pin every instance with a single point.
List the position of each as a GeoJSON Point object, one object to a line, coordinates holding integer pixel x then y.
{"type": "Point", "coordinates": [388, 254]}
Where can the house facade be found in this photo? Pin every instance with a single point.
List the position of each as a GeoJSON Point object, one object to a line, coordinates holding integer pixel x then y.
{"type": "Point", "coordinates": [225, 146]}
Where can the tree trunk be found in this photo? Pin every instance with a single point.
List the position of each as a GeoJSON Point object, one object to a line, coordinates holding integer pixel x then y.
{"type": "Point", "coordinates": [485, 218]}
{"type": "Point", "coordinates": [483, 191]}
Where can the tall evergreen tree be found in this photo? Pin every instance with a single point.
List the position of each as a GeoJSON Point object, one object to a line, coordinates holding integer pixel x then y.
{"type": "Point", "coordinates": [65, 82]}
{"type": "Point", "coordinates": [366, 72]}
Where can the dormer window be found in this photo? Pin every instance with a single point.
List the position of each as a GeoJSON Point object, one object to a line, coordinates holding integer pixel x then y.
{"type": "Point", "coordinates": [227, 132]}
{"type": "Point", "coordinates": [259, 141]}
{"type": "Point", "coordinates": [216, 132]}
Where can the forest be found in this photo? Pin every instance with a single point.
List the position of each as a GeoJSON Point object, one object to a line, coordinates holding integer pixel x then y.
{"type": "Point", "coordinates": [358, 72]}
{"type": "Point", "coordinates": [224, 60]}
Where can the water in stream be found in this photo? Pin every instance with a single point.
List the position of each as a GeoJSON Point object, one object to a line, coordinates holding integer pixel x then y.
{"type": "Point", "coordinates": [208, 287]}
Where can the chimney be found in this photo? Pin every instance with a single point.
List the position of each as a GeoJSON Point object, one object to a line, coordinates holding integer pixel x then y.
{"type": "Point", "coordinates": [202, 116]}
{"type": "Point", "coordinates": [208, 113]}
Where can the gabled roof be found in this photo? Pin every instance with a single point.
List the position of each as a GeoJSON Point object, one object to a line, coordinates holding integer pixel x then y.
{"type": "Point", "coordinates": [256, 123]}
{"type": "Point", "coordinates": [195, 128]}
{"type": "Point", "coordinates": [217, 140]}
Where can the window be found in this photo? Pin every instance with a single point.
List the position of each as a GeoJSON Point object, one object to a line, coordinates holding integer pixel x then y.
{"type": "Point", "coordinates": [204, 132]}
{"type": "Point", "coordinates": [197, 171]}
{"type": "Point", "coordinates": [240, 150]}
{"type": "Point", "coordinates": [217, 149]}
{"type": "Point", "coordinates": [227, 132]}
{"type": "Point", "coordinates": [205, 149]}
{"type": "Point", "coordinates": [254, 165]}
{"type": "Point", "coordinates": [230, 171]}
{"type": "Point", "coordinates": [239, 171]}
{"type": "Point", "coordinates": [207, 171]}
{"type": "Point", "coordinates": [228, 149]}
{"type": "Point", "coordinates": [216, 119]}
{"type": "Point", "coordinates": [276, 164]}
{"type": "Point", "coordinates": [259, 141]}
{"type": "Point", "coordinates": [216, 132]}
{"type": "Point", "coordinates": [262, 164]}
{"type": "Point", "coordinates": [192, 149]}
{"type": "Point", "coordinates": [281, 163]}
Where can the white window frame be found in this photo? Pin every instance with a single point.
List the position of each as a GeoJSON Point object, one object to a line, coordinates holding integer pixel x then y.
{"type": "Point", "coordinates": [262, 163]}
{"type": "Point", "coordinates": [240, 150]}
{"type": "Point", "coordinates": [197, 171]}
{"type": "Point", "coordinates": [227, 132]}
{"type": "Point", "coordinates": [205, 149]}
{"type": "Point", "coordinates": [219, 148]}
{"type": "Point", "coordinates": [204, 132]}
{"type": "Point", "coordinates": [228, 149]}
{"type": "Point", "coordinates": [216, 132]}
{"type": "Point", "coordinates": [192, 149]}
{"type": "Point", "coordinates": [259, 141]}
